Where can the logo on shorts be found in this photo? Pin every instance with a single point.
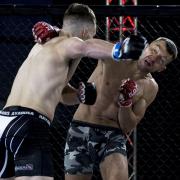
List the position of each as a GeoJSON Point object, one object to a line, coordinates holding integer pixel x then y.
{"type": "Point", "coordinates": [27, 167]}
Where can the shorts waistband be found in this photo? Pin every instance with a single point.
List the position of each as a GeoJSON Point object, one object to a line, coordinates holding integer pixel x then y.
{"type": "Point", "coordinates": [91, 125]}
{"type": "Point", "coordinates": [19, 111]}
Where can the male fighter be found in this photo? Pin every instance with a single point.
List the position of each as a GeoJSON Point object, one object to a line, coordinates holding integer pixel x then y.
{"type": "Point", "coordinates": [97, 134]}
{"type": "Point", "coordinates": [41, 83]}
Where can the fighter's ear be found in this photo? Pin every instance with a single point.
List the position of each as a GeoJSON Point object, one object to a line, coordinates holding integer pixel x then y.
{"type": "Point", "coordinates": [162, 69]}
{"type": "Point", "coordinates": [83, 32]}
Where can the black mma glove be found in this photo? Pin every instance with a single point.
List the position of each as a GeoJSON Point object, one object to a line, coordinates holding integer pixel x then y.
{"type": "Point", "coordinates": [87, 93]}
{"type": "Point", "coordinates": [131, 48]}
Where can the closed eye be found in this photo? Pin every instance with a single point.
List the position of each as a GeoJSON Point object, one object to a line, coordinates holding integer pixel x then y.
{"type": "Point", "coordinates": [155, 50]}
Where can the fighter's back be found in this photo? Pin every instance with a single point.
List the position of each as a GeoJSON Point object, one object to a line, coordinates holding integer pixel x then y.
{"type": "Point", "coordinates": [41, 78]}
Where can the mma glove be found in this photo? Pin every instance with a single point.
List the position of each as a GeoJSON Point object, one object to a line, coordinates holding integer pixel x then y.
{"type": "Point", "coordinates": [126, 92]}
{"type": "Point", "coordinates": [131, 48]}
{"type": "Point", "coordinates": [42, 32]}
{"type": "Point", "coordinates": [87, 93]}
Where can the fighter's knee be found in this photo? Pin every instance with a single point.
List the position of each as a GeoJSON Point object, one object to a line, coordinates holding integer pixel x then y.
{"type": "Point", "coordinates": [114, 167]}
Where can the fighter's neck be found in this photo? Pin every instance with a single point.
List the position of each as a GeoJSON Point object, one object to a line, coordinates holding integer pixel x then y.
{"type": "Point", "coordinates": [64, 33]}
{"type": "Point", "coordinates": [138, 73]}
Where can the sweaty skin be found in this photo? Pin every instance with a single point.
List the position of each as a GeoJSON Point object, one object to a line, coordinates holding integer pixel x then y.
{"type": "Point", "coordinates": [48, 68]}
{"type": "Point", "coordinates": [48, 72]}
{"type": "Point", "coordinates": [108, 77]}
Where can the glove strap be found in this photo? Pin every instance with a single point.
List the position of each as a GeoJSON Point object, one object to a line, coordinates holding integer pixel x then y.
{"type": "Point", "coordinates": [116, 52]}
{"type": "Point", "coordinates": [89, 93]}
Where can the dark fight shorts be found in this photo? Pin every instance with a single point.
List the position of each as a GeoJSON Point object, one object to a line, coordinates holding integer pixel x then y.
{"type": "Point", "coordinates": [88, 144]}
{"type": "Point", "coordinates": [25, 149]}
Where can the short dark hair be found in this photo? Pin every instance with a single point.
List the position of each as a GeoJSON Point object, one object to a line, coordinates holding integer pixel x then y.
{"type": "Point", "coordinates": [80, 11]}
{"type": "Point", "coordinates": [170, 46]}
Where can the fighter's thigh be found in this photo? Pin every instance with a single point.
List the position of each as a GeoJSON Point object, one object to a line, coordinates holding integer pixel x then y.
{"type": "Point", "coordinates": [34, 178]}
{"type": "Point", "coordinates": [114, 167]}
{"type": "Point", "coordinates": [78, 177]}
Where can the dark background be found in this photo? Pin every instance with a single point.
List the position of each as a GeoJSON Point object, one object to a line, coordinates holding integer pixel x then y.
{"type": "Point", "coordinates": [158, 135]}
{"type": "Point", "coordinates": [90, 2]}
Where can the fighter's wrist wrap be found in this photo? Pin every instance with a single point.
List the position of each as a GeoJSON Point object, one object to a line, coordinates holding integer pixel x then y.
{"type": "Point", "coordinates": [127, 90]}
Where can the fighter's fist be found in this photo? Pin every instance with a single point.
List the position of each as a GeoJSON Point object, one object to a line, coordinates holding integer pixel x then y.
{"type": "Point", "coordinates": [87, 93]}
{"type": "Point", "coordinates": [130, 48]}
{"type": "Point", "coordinates": [42, 32]}
{"type": "Point", "coordinates": [126, 92]}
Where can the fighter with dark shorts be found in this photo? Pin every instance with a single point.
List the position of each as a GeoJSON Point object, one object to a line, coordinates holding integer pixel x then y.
{"type": "Point", "coordinates": [42, 82]}
{"type": "Point", "coordinates": [20, 127]}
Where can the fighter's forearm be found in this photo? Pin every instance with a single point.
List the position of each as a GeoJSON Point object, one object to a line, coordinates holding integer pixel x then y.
{"type": "Point", "coordinates": [127, 119]}
{"type": "Point", "coordinates": [130, 48]}
{"type": "Point", "coordinates": [98, 49]}
{"type": "Point", "coordinates": [69, 96]}
{"type": "Point", "coordinates": [86, 94]}
{"type": "Point", "coordinates": [130, 116]}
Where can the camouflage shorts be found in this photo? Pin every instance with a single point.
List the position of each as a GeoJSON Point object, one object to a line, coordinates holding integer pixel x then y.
{"type": "Point", "coordinates": [87, 145]}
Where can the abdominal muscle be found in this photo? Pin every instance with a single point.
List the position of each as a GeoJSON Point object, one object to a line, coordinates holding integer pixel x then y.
{"type": "Point", "coordinates": [93, 114]}
{"type": "Point", "coordinates": [105, 109]}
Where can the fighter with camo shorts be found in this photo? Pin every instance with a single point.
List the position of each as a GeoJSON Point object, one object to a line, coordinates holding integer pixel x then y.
{"type": "Point", "coordinates": [97, 135]}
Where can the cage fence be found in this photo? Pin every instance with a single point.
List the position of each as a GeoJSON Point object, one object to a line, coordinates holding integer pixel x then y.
{"type": "Point", "coordinates": [155, 153]}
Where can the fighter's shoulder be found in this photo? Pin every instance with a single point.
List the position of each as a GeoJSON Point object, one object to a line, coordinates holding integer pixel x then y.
{"type": "Point", "coordinates": [65, 38]}
{"type": "Point", "coordinates": [68, 42]}
{"type": "Point", "coordinates": [150, 88]}
{"type": "Point", "coordinates": [151, 82]}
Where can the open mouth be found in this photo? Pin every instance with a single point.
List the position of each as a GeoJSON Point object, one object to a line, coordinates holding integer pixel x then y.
{"type": "Point", "coordinates": [148, 61]}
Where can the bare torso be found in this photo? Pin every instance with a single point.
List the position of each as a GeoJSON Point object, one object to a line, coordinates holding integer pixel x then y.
{"type": "Point", "coordinates": [108, 78]}
{"type": "Point", "coordinates": [41, 78]}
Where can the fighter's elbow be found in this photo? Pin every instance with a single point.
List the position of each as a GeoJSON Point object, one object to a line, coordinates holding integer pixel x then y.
{"type": "Point", "coordinates": [82, 50]}
{"type": "Point", "coordinates": [77, 48]}
{"type": "Point", "coordinates": [129, 125]}
{"type": "Point", "coordinates": [86, 48]}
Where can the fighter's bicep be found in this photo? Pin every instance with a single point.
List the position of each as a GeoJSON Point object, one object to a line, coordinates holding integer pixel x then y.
{"type": "Point", "coordinates": [139, 108]}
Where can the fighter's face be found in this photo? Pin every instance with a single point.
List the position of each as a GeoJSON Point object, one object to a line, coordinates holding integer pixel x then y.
{"type": "Point", "coordinates": [155, 57]}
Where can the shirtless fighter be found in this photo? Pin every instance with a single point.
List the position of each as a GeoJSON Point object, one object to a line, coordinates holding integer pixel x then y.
{"type": "Point", "coordinates": [96, 137]}
{"type": "Point", "coordinates": [99, 130]}
{"type": "Point", "coordinates": [40, 84]}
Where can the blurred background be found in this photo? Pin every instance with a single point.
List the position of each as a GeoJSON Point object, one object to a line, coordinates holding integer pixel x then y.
{"type": "Point", "coordinates": [155, 154]}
